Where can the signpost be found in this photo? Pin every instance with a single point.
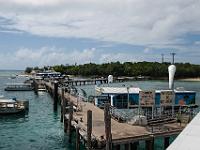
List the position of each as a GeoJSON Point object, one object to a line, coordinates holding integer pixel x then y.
{"type": "Point", "coordinates": [166, 99]}
{"type": "Point", "coordinates": [147, 98]}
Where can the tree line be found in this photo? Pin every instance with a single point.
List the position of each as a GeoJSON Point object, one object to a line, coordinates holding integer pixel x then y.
{"type": "Point", "coordinates": [151, 69]}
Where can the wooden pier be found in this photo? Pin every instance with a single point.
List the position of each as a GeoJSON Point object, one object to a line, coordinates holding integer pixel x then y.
{"type": "Point", "coordinates": [79, 82]}
{"type": "Point", "coordinates": [98, 130]}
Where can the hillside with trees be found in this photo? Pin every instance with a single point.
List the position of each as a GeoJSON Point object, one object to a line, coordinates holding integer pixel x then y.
{"type": "Point", "coordinates": [131, 69]}
{"type": "Point", "coordinates": [152, 69]}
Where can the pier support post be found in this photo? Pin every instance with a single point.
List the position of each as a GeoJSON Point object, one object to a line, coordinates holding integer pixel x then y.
{"type": "Point", "coordinates": [77, 139]}
{"type": "Point", "coordinates": [35, 86]}
{"type": "Point", "coordinates": [150, 144]}
{"type": "Point", "coordinates": [166, 142]}
{"type": "Point", "coordinates": [64, 113]}
{"type": "Point", "coordinates": [69, 129]}
{"type": "Point", "coordinates": [116, 147]}
{"type": "Point", "coordinates": [65, 124]}
{"type": "Point", "coordinates": [133, 146]}
{"type": "Point", "coordinates": [107, 120]}
{"type": "Point", "coordinates": [89, 129]}
{"type": "Point", "coordinates": [55, 95]}
{"type": "Point", "coordinates": [127, 146]}
{"type": "Point", "coordinates": [62, 105]}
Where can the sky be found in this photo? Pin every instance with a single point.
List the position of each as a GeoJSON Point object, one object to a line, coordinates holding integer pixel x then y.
{"type": "Point", "coordinates": [51, 32]}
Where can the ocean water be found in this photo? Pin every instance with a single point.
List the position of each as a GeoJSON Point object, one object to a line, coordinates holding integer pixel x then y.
{"type": "Point", "coordinates": [41, 128]}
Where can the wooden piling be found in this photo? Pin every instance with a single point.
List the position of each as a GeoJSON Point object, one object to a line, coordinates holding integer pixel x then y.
{"type": "Point", "coordinates": [69, 128]}
{"type": "Point", "coordinates": [62, 103]}
{"type": "Point", "coordinates": [116, 147]}
{"type": "Point", "coordinates": [89, 129]}
{"type": "Point", "coordinates": [77, 139]}
{"type": "Point", "coordinates": [65, 125]}
{"type": "Point", "coordinates": [35, 86]}
{"type": "Point", "coordinates": [107, 120]}
{"type": "Point", "coordinates": [166, 142]}
{"type": "Point", "coordinates": [133, 146]}
{"type": "Point", "coordinates": [55, 95]}
{"type": "Point", "coordinates": [127, 146]}
{"type": "Point", "coordinates": [150, 144]}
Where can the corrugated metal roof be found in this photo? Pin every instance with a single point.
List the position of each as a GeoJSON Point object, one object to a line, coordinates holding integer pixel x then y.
{"type": "Point", "coordinates": [189, 138]}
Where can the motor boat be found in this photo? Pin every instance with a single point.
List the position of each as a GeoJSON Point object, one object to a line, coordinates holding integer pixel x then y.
{"type": "Point", "coordinates": [13, 106]}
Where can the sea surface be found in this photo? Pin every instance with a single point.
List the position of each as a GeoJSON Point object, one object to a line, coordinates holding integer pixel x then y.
{"type": "Point", "coordinates": [41, 128]}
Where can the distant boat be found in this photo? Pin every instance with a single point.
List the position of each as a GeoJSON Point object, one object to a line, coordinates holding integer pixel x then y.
{"type": "Point", "coordinates": [12, 77]}
{"type": "Point", "coordinates": [12, 106]}
{"type": "Point", "coordinates": [18, 87]}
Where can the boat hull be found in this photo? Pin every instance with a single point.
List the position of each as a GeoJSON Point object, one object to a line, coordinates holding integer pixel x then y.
{"type": "Point", "coordinates": [11, 111]}
{"type": "Point", "coordinates": [18, 89]}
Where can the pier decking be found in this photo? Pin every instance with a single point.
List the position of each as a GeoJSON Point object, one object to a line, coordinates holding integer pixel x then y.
{"type": "Point", "coordinates": [98, 130]}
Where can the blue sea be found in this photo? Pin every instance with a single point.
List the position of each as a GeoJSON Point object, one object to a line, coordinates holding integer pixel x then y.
{"type": "Point", "coordinates": [41, 128]}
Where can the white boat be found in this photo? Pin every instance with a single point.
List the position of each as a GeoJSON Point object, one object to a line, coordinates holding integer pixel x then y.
{"type": "Point", "coordinates": [18, 87]}
{"type": "Point", "coordinates": [12, 106]}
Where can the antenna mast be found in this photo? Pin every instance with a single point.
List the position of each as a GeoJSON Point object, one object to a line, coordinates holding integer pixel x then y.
{"type": "Point", "coordinates": [162, 58]}
{"type": "Point", "coordinates": [173, 54]}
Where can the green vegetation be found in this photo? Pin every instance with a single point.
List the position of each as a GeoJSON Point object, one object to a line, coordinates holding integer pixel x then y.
{"type": "Point", "coordinates": [152, 69]}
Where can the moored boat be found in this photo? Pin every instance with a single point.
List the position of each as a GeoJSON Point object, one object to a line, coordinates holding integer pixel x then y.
{"type": "Point", "coordinates": [13, 106]}
{"type": "Point", "coordinates": [19, 87]}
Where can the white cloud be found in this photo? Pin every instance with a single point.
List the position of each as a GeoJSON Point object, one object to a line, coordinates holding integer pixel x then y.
{"type": "Point", "coordinates": [147, 50]}
{"type": "Point", "coordinates": [137, 22]}
{"type": "Point", "coordinates": [121, 57]}
{"type": "Point", "coordinates": [44, 56]}
{"type": "Point", "coordinates": [197, 42]}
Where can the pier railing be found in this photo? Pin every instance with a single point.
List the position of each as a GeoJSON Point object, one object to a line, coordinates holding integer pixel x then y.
{"type": "Point", "coordinates": [98, 129]}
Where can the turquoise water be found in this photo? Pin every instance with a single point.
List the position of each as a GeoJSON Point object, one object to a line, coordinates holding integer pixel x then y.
{"type": "Point", "coordinates": [41, 129]}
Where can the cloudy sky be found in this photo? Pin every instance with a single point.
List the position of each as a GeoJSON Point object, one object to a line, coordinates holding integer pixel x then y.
{"type": "Point", "coordinates": [48, 32]}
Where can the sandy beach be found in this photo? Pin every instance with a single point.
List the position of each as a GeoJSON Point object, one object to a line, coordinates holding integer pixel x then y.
{"type": "Point", "coordinates": [190, 79]}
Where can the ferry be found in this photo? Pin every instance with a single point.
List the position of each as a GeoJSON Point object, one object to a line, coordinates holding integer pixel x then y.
{"type": "Point", "coordinates": [18, 87]}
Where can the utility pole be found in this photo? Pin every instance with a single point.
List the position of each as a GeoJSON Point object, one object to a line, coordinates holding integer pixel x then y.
{"type": "Point", "coordinates": [173, 54]}
{"type": "Point", "coordinates": [162, 58]}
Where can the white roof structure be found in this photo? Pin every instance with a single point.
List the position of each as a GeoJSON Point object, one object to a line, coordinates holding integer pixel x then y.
{"type": "Point", "coordinates": [189, 138]}
{"type": "Point", "coordinates": [118, 90]}
{"type": "Point", "coordinates": [7, 101]}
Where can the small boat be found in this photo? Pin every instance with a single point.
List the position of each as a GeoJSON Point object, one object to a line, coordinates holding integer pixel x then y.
{"type": "Point", "coordinates": [13, 76]}
{"type": "Point", "coordinates": [19, 87]}
{"type": "Point", "coordinates": [13, 106]}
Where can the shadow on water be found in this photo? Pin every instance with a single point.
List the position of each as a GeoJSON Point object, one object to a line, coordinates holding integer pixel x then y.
{"type": "Point", "coordinates": [21, 117]}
